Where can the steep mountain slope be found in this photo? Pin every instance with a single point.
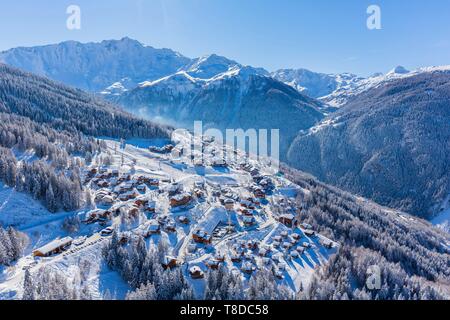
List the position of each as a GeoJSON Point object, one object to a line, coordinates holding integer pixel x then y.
{"type": "Point", "coordinates": [390, 143]}
{"type": "Point", "coordinates": [412, 257]}
{"type": "Point", "coordinates": [95, 66]}
{"type": "Point", "coordinates": [56, 126]}
{"type": "Point", "coordinates": [239, 98]}
{"type": "Point", "coordinates": [63, 108]}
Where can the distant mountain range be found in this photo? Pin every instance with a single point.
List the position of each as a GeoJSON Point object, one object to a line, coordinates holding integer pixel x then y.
{"type": "Point", "coordinates": [116, 66]}
{"type": "Point", "coordinates": [375, 136]}
{"type": "Point", "coordinates": [95, 66]}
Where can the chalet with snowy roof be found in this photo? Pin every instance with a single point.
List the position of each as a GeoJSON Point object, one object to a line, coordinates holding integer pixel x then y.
{"type": "Point", "coordinates": [236, 257]}
{"type": "Point", "coordinates": [259, 193]}
{"type": "Point", "coordinates": [247, 204]}
{"type": "Point", "coordinates": [128, 196]}
{"type": "Point", "coordinates": [278, 274]}
{"type": "Point", "coordinates": [201, 236]}
{"type": "Point", "coordinates": [326, 243]}
{"type": "Point", "coordinates": [141, 188]}
{"type": "Point", "coordinates": [252, 244]}
{"type": "Point", "coordinates": [103, 169]}
{"type": "Point", "coordinates": [281, 266]}
{"type": "Point", "coordinates": [249, 221]}
{"type": "Point", "coordinates": [248, 255]}
{"type": "Point", "coordinates": [192, 247]}
{"type": "Point", "coordinates": [125, 187]}
{"type": "Point", "coordinates": [306, 245]}
{"type": "Point", "coordinates": [97, 215]}
{"type": "Point", "coordinates": [183, 220]}
{"type": "Point", "coordinates": [277, 239]}
{"type": "Point", "coordinates": [296, 236]}
{"type": "Point", "coordinates": [54, 247]}
{"type": "Point", "coordinates": [300, 250]}
{"type": "Point", "coordinates": [174, 189]}
{"type": "Point", "coordinates": [288, 219]}
{"type": "Point", "coordinates": [107, 200]}
{"type": "Point", "coordinates": [309, 233]}
{"type": "Point", "coordinates": [170, 226]}
{"type": "Point", "coordinates": [163, 150]}
{"type": "Point", "coordinates": [255, 201]}
{"type": "Point", "coordinates": [103, 184]}
{"type": "Point", "coordinates": [180, 200]}
{"type": "Point", "coordinates": [219, 257]}
{"type": "Point", "coordinates": [262, 252]}
{"type": "Point", "coordinates": [266, 184]}
{"type": "Point", "coordinates": [229, 204]}
{"type": "Point", "coordinates": [196, 272]}
{"type": "Point", "coordinates": [131, 210]}
{"type": "Point", "coordinates": [153, 228]}
{"type": "Point", "coordinates": [277, 257]}
{"type": "Point", "coordinates": [141, 202]}
{"type": "Point", "coordinates": [248, 267]}
{"type": "Point", "coordinates": [213, 264]}
{"type": "Point", "coordinates": [199, 184]}
{"type": "Point", "coordinates": [169, 262]}
{"type": "Point", "coordinates": [125, 177]}
{"type": "Point", "coordinates": [100, 195]}
{"type": "Point", "coordinates": [199, 193]}
{"type": "Point", "coordinates": [286, 245]}
{"type": "Point", "coordinates": [306, 226]}
{"type": "Point", "coordinates": [150, 207]}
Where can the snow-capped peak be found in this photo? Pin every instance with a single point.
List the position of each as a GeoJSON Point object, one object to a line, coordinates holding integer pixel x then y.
{"type": "Point", "coordinates": [399, 70]}
{"type": "Point", "coordinates": [209, 66]}
{"type": "Point", "coordinates": [340, 96]}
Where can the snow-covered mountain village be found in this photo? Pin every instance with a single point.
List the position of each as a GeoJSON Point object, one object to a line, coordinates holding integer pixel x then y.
{"type": "Point", "coordinates": [209, 214]}
{"type": "Point", "coordinates": [201, 152]}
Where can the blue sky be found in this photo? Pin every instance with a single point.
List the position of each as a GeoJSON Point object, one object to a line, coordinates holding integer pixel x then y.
{"type": "Point", "coordinates": [322, 35]}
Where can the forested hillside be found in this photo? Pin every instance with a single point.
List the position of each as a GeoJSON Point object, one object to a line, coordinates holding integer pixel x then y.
{"type": "Point", "coordinates": [389, 144]}
{"type": "Point", "coordinates": [64, 108]}
{"type": "Point", "coordinates": [412, 255]}
{"type": "Point", "coordinates": [58, 125]}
